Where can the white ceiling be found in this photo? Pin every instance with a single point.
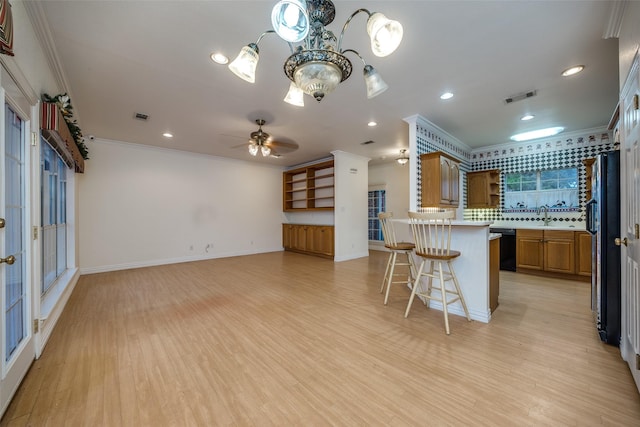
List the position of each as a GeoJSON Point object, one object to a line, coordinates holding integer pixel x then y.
{"type": "Point", "coordinates": [152, 57]}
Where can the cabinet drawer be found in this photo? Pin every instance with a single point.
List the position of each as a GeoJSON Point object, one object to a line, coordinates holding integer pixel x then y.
{"type": "Point", "coordinates": [530, 234]}
{"type": "Point", "coordinates": [558, 235]}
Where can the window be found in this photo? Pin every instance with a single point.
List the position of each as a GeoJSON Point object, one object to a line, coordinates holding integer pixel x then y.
{"type": "Point", "coordinates": [376, 205]}
{"type": "Point", "coordinates": [556, 189]}
{"type": "Point", "coordinates": [54, 216]}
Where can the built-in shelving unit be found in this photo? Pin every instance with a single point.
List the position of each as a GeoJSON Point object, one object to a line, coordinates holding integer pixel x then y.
{"type": "Point", "coordinates": [309, 188]}
{"type": "Point", "coordinates": [483, 189]}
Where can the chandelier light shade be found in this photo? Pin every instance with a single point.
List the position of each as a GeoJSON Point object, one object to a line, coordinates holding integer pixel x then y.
{"type": "Point", "coordinates": [404, 157]}
{"type": "Point", "coordinates": [384, 33]}
{"type": "Point", "coordinates": [244, 66]}
{"type": "Point", "coordinates": [253, 149]}
{"type": "Point", "coordinates": [295, 96]}
{"type": "Point", "coordinates": [318, 64]}
{"type": "Point", "coordinates": [375, 84]}
{"type": "Point", "coordinates": [290, 20]}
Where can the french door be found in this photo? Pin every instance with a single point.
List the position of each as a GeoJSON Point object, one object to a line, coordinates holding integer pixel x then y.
{"type": "Point", "coordinates": [17, 347]}
{"type": "Point", "coordinates": [630, 233]}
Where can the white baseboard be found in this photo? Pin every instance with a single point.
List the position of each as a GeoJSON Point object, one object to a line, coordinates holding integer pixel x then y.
{"type": "Point", "coordinates": [166, 261]}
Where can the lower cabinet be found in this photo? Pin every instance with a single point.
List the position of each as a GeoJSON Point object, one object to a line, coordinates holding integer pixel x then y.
{"type": "Point", "coordinates": [494, 273]}
{"type": "Point", "coordinates": [309, 239]}
{"type": "Point", "coordinates": [554, 251]}
{"type": "Point", "coordinates": [583, 253]}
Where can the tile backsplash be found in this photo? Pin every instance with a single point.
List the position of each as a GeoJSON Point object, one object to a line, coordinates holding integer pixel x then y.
{"type": "Point", "coordinates": [551, 153]}
{"type": "Point", "coordinates": [556, 152]}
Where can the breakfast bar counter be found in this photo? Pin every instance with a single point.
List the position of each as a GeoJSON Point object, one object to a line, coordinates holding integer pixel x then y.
{"type": "Point", "coordinates": [472, 267]}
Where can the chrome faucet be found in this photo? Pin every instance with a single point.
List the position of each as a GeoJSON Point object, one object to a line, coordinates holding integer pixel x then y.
{"type": "Point", "coordinates": [544, 208]}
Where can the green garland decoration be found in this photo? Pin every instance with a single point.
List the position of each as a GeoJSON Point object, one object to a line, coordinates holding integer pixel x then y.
{"type": "Point", "coordinates": [64, 104]}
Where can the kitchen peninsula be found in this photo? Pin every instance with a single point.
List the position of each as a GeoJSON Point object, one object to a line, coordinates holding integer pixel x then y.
{"type": "Point", "coordinates": [472, 267]}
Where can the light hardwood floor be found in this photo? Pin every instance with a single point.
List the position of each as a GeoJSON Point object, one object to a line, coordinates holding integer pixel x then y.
{"type": "Point", "coordinates": [289, 339]}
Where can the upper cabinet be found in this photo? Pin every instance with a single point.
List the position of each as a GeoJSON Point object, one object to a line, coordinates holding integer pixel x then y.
{"type": "Point", "coordinates": [483, 189]}
{"type": "Point", "coordinates": [308, 188]}
{"type": "Point", "coordinates": [440, 180]}
{"type": "Point", "coordinates": [588, 176]}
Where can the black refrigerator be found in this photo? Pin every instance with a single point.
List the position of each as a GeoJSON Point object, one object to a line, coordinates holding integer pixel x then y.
{"type": "Point", "coordinates": [603, 222]}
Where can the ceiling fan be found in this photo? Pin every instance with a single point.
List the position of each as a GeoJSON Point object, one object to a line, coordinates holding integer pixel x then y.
{"type": "Point", "coordinates": [261, 141]}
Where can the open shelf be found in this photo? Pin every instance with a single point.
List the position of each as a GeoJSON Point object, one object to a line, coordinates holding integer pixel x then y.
{"type": "Point", "coordinates": [309, 188]}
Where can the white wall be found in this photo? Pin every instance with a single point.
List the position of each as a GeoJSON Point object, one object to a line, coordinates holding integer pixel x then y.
{"type": "Point", "coordinates": [351, 203]}
{"type": "Point", "coordinates": [142, 206]}
{"type": "Point", "coordinates": [395, 179]}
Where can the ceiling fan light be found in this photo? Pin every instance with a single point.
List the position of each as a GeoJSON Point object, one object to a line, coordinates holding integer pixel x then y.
{"type": "Point", "coordinates": [244, 66]}
{"type": "Point", "coordinates": [385, 34]}
{"type": "Point", "coordinates": [265, 150]}
{"type": "Point", "coordinates": [317, 78]}
{"type": "Point", "coordinates": [253, 149]}
{"type": "Point", "coordinates": [290, 20]}
{"type": "Point", "coordinates": [375, 84]}
{"type": "Point", "coordinates": [295, 96]}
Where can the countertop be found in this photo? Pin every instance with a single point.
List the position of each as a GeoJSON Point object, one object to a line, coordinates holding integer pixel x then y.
{"type": "Point", "coordinates": [526, 226]}
{"type": "Point", "coordinates": [459, 223]}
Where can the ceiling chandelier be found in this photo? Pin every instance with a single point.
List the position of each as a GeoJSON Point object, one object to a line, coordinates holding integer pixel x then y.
{"type": "Point", "coordinates": [318, 64]}
{"type": "Point", "coordinates": [404, 157]}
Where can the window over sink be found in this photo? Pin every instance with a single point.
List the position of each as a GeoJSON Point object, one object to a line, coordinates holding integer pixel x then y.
{"type": "Point", "coordinates": [555, 189]}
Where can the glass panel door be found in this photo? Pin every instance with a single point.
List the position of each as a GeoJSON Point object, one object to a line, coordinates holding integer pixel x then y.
{"type": "Point", "coordinates": [17, 344]}
{"type": "Point", "coordinates": [15, 310]}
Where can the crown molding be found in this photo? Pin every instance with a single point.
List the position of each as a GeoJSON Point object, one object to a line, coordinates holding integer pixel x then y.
{"type": "Point", "coordinates": [612, 29]}
{"type": "Point", "coordinates": [41, 28]}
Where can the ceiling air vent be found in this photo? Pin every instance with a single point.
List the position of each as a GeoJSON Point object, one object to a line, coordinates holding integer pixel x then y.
{"type": "Point", "coordinates": [367, 142]}
{"type": "Point", "coordinates": [520, 96]}
{"type": "Point", "coordinates": [141, 116]}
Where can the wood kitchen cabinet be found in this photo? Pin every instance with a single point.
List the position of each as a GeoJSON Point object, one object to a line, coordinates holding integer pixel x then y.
{"type": "Point", "coordinates": [440, 180]}
{"type": "Point", "coordinates": [530, 249]}
{"type": "Point", "coordinates": [483, 189]}
{"type": "Point", "coordinates": [309, 239]}
{"type": "Point", "coordinates": [558, 253]}
{"type": "Point", "coordinates": [583, 253]}
{"type": "Point", "coordinates": [494, 273]}
{"type": "Point", "coordinates": [587, 178]}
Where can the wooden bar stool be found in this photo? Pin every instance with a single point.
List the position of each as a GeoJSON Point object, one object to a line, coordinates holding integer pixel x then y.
{"type": "Point", "coordinates": [404, 248]}
{"type": "Point", "coordinates": [432, 236]}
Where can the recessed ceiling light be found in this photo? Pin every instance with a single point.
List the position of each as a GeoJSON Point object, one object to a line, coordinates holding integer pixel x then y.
{"type": "Point", "coordinates": [527, 117]}
{"type": "Point", "coordinates": [167, 135]}
{"type": "Point", "coordinates": [573, 70]}
{"type": "Point", "coordinates": [446, 95]}
{"type": "Point", "coordinates": [535, 134]}
{"type": "Point", "coordinates": [219, 58]}
{"type": "Point", "coordinates": [372, 123]}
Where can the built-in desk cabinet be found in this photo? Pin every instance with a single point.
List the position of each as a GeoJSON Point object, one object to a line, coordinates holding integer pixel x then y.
{"type": "Point", "coordinates": [440, 180]}
{"type": "Point", "coordinates": [309, 239]}
{"type": "Point", "coordinates": [483, 189]}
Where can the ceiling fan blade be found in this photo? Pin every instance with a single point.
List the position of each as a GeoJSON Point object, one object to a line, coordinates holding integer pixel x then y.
{"type": "Point", "coordinates": [283, 146]}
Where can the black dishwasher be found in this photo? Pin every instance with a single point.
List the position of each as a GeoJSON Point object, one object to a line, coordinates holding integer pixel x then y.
{"type": "Point", "coordinates": [507, 248]}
